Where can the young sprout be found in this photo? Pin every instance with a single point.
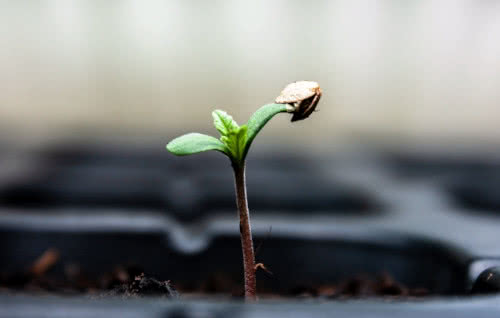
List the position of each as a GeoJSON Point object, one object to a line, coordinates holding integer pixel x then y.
{"type": "Point", "coordinates": [300, 99]}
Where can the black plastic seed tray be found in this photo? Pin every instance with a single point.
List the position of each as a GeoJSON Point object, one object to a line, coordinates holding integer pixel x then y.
{"type": "Point", "coordinates": [315, 220]}
{"type": "Point", "coordinates": [192, 189]}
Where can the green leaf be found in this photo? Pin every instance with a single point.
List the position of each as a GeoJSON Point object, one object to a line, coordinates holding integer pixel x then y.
{"type": "Point", "coordinates": [259, 119]}
{"type": "Point", "coordinates": [224, 123]}
{"type": "Point", "coordinates": [235, 141]}
{"type": "Point", "coordinates": [242, 140]}
{"type": "Point", "coordinates": [194, 143]}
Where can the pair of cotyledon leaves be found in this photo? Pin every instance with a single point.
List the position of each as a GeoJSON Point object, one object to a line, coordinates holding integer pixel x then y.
{"type": "Point", "coordinates": [235, 140]}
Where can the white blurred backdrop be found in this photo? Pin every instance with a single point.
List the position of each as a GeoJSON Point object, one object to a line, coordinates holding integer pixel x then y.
{"type": "Point", "coordinates": [404, 70]}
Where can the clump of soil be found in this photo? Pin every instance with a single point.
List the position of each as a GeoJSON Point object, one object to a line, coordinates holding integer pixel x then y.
{"type": "Point", "coordinates": [144, 286]}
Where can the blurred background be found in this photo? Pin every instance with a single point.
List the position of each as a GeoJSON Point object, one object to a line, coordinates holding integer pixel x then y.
{"type": "Point", "coordinates": [91, 91]}
{"type": "Point", "coordinates": [404, 71]}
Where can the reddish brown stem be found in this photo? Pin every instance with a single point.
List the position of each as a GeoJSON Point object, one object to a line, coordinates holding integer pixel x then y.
{"type": "Point", "coordinates": [245, 232]}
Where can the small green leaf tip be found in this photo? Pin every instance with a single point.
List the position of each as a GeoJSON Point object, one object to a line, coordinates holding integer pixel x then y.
{"type": "Point", "coordinates": [194, 143]}
{"type": "Point", "coordinates": [232, 135]}
{"type": "Point", "coordinates": [235, 142]}
{"type": "Point", "coordinates": [224, 123]}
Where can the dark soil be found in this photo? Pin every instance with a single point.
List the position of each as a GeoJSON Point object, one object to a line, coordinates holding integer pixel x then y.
{"type": "Point", "coordinates": [144, 286]}
{"type": "Point", "coordinates": [382, 285]}
{"type": "Point", "coordinates": [131, 282]}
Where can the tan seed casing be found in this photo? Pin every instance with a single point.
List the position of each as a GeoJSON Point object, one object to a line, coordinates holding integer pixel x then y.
{"type": "Point", "coordinates": [303, 96]}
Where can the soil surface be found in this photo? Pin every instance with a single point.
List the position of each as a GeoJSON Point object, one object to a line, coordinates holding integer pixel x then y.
{"type": "Point", "coordinates": [143, 286]}
{"type": "Point", "coordinates": [131, 282]}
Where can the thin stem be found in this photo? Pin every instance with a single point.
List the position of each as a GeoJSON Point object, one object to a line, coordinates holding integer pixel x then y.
{"type": "Point", "coordinates": [245, 232]}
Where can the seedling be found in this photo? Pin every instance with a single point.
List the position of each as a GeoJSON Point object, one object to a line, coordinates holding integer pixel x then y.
{"type": "Point", "coordinates": [300, 99]}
